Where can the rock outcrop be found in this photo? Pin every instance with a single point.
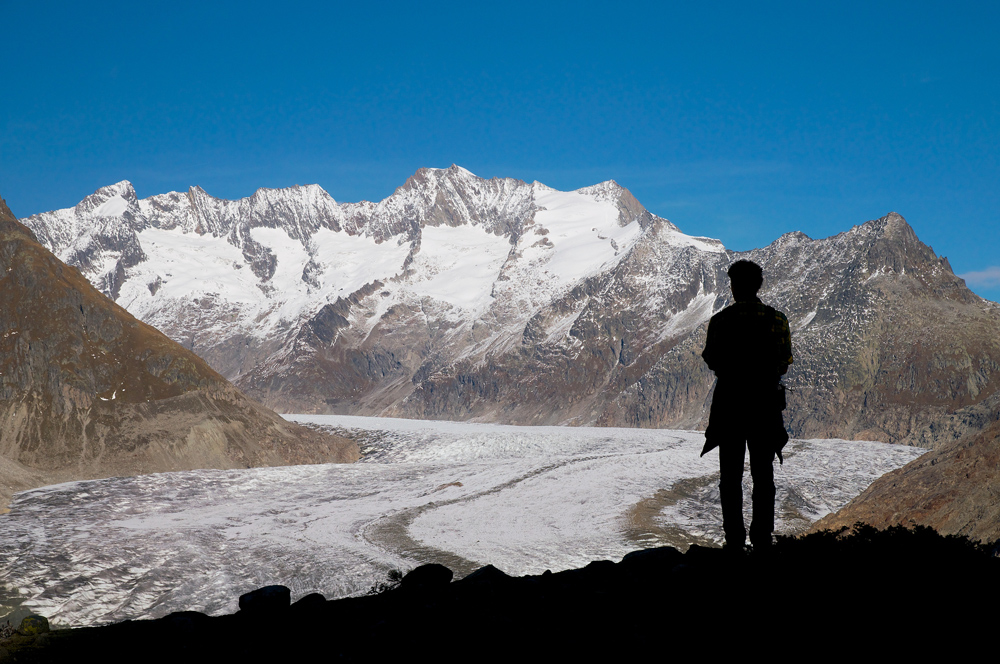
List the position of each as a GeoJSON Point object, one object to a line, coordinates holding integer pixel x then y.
{"type": "Point", "coordinates": [88, 391]}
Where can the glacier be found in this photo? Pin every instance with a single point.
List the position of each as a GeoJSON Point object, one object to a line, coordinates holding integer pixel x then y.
{"type": "Point", "coordinates": [524, 499]}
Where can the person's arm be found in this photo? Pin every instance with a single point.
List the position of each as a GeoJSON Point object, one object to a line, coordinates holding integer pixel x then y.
{"type": "Point", "coordinates": [711, 344]}
{"type": "Point", "coordinates": [785, 344]}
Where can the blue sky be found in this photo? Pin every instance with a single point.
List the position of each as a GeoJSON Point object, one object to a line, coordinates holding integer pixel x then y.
{"type": "Point", "coordinates": [739, 121]}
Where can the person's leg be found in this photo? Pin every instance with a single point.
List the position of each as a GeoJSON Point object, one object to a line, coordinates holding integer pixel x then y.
{"type": "Point", "coordinates": [731, 456]}
{"type": "Point", "coordinates": [762, 471]}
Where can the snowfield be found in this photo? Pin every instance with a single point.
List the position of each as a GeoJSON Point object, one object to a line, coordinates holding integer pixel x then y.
{"type": "Point", "coordinates": [524, 499]}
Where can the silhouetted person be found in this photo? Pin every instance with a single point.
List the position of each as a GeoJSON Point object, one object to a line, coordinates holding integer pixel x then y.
{"type": "Point", "coordinates": [749, 348]}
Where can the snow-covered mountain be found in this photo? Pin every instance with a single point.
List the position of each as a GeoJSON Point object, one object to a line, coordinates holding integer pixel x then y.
{"type": "Point", "coordinates": [499, 300]}
{"type": "Point", "coordinates": [258, 269]}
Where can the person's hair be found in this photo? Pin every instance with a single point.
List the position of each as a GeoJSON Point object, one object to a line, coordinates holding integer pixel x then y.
{"type": "Point", "coordinates": [746, 276]}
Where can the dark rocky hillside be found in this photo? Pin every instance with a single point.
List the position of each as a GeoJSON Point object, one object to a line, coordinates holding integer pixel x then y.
{"type": "Point", "coordinates": [88, 391]}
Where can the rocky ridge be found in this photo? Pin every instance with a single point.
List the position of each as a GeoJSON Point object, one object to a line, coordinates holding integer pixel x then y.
{"type": "Point", "coordinates": [88, 391]}
{"type": "Point", "coordinates": [499, 300]}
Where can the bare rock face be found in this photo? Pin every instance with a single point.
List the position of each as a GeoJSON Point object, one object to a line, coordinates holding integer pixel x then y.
{"type": "Point", "coordinates": [86, 390]}
{"type": "Point", "coordinates": [499, 300]}
{"type": "Point", "coordinates": [953, 489]}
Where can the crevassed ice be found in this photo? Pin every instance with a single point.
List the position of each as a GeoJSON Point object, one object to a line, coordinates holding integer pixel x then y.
{"type": "Point", "coordinates": [525, 499]}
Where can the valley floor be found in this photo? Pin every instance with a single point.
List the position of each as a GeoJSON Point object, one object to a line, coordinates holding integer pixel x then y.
{"type": "Point", "coordinates": [524, 499]}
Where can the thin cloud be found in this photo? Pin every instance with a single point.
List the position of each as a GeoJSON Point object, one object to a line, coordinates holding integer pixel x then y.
{"type": "Point", "coordinates": [988, 278]}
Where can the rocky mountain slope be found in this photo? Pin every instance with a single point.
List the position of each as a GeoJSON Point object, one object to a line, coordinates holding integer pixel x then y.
{"type": "Point", "coordinates": [87, 391]}
{"type": "Point", "coordinates": [499, 300]}
{"type": "Point", "coordinates": [955, 490]}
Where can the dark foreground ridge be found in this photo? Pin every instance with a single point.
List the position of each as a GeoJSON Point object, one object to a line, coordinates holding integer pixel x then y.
{"type": "Point", "coordinates": [888, 592]}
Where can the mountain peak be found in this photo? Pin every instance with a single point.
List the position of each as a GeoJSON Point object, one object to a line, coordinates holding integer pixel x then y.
{"type": "Point", "coordinates": [895, 245]}
{"type": "Point", "coordinates": [10, 224]}
{"type": "Point", "coordinates": [629, 207]}
{"type": "Point", "coordinates": [456, 169]}
{"type": "Point", "coordinates": [608, 187]}
{"type": "Point", "coordinates": [893, 224]}
{"type": "Point", "coordinates": [435, 176]}
{"type": "Point", "coordinates": [5, 213]}
{"type": "Point", "coordinates": [110, 201]}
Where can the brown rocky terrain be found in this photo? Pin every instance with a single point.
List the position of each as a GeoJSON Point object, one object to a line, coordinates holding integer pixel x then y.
{"type": "Point", "coordinates": [954, 489]}
{"type": "Point", "coordinates": [88, 391]}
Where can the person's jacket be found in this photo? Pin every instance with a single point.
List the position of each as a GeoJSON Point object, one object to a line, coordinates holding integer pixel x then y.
{"type": "Point", "coordinates": [749, 347]}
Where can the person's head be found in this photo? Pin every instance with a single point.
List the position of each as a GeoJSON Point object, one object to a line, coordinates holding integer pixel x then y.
{"type": "Point", "coordinates": [745, 278]}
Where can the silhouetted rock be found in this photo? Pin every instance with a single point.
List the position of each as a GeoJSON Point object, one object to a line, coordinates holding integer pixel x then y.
{"type": "Point", "coordinates": [33, 625]}
{"type": "Point", "coordinates": [426, 577]}
{"type": "Point", "coordinates": [268, 599]}
{"type": "Point", "coordinates": [185, 623]}
{"type": "Point", "coordinates": [652, 560]}
{"type": "Point", "coordinates": [309, 601]}
{"type": "Point", "coordinates": [486, 576]}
